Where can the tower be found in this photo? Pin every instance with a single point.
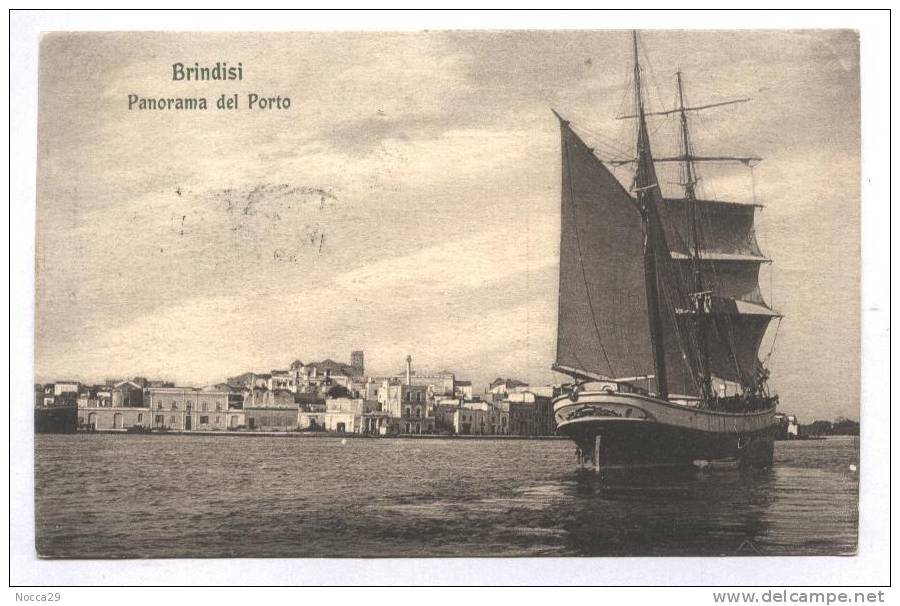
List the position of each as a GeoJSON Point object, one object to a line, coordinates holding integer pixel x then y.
{"type": "Point", "coordinates": [408, 370]}
{"type": "Point", "coordinates": [358, 362]}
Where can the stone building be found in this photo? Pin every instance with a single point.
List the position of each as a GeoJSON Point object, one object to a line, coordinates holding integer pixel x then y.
{"type": "Point", "coordinates": [188, 408]}
{"type": "Point", "coordinates": [444, 411]}
{"type": "Point", "coordinates": [501, 386]}
{"type": "Point", "coordinates": [269, 398]}
{"type": "Point", "coordinates": [270, 410]}
{"type": "Point", "coordinates": [530, 414]}
{"type": "Point", "coordinates": [282, 380]}
{"type": "Point", "coordinates": [95, 396]}
{"type": "Point", "coordinates": [93, 418]}
{"type": "Point", "coordinates": [58, 394]}
{"type": "Point", "coordinates": [409, 407]}
{"type": "Point", "coordinates": [463, 389]}
{"type": "Point", "coordinates": [344, 415]}
{"type": "Point", "coordinates": [313, 377]}
{"type": "Point", "coordinates": [127, 394]}
{"type": "Point", "coordinates": [480, 418]}
{"type": "Point", "coordinates": [271, 419]}
{"type": "Point", "coordinates": [310, 420]}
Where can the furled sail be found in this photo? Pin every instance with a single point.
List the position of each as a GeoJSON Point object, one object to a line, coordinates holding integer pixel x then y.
{"type": "Point", "coordinates": [730, 258]}
{"type": "Point", "coordinates": [730, 253]}
{"type": "Point", "coordinates": [726, 228]}
{"type": "Point", "coordinates": [602, 302]}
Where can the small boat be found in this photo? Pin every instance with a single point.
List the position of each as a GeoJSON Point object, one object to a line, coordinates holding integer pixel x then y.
{"type": "Point", "coordinates": [720, 464]}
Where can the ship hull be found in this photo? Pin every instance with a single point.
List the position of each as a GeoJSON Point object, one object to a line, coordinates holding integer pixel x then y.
{"type": "Point", "coordinates": [614, 429]}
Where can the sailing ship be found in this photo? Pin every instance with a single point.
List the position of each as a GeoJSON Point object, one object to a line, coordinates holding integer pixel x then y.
{"type": "Point", "coordinates": [661, 317]}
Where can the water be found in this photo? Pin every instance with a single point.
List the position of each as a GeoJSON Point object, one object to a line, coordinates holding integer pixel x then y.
{"type": "Point", "coordinates": [139, 496]}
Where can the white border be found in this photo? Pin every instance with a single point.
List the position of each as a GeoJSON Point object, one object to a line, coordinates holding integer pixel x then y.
{"type": "Point", "coordinates": [870, 567]}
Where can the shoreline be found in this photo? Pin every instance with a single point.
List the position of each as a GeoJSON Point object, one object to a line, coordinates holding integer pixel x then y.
{"type": "Point", "coordinates": [310, 434]}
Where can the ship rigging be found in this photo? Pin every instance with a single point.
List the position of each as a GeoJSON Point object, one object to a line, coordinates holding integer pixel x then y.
{"type": "Point", "coordinates": [659, 296]}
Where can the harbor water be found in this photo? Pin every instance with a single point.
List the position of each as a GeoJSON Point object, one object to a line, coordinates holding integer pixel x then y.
{"type": "Point", "coordinates": [155, 496]}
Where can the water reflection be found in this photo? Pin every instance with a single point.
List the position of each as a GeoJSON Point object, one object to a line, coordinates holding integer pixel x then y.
{"type": "Point", "coordinates": [667, 512]}
{"type": "Point", "coordinates": [258, 497]}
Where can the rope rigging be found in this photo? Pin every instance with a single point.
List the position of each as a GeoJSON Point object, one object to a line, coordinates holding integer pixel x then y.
{"type": "Point", "coordinates": [684, 294]}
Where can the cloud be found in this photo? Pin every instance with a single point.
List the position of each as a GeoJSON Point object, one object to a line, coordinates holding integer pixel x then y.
{"type": "Point", "coordinates": [443, 160]}
{"type": "Point", "coordinates": [471, 262]}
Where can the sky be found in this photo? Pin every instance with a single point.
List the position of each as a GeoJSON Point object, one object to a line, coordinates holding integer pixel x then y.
{"type": "Point", "coordinates": [408, 201]}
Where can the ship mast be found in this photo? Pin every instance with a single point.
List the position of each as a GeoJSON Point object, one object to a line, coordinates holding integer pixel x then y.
{"type": "Point", "coordinates": [699, 296]}
{"type": "Point", "coordinates": [644, 187]}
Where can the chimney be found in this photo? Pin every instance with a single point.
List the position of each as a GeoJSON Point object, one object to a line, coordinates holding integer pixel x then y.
{"type": "Point", "coordinates": [408, 370]}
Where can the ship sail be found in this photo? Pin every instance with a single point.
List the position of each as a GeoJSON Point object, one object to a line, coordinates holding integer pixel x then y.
{"type": "Point", "coordinates": [602, 324]}
{"type": "Point", "coordinates": [619, 253]}
{"type": "Point", "coordinates": [602, 327]}
{"type": "Point", "coordinates": [731, 258]}
{"type": "Point", "coordinates": [658, 296]}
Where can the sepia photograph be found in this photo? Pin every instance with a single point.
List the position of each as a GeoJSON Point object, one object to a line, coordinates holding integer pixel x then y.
{"type": "Point", "coordinates": [447, 293]}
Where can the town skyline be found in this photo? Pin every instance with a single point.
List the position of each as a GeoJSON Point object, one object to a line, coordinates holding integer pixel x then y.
{"type": "Point", "coordinates": [416, 213]}
{"type": "Point", "coordinates": [397, 373]}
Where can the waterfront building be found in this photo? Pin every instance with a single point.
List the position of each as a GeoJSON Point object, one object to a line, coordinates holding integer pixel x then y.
{"type": "Point", "coordinates": [96, 417]}
{"type": "Point", "coordinates": [236, 419]}
{"type": "Point", "coordinates": [408, 402]}
{"type": "Point", "coordinates": [61, 393]}
{"type": "Point", "coordinates": [408, 406]}
{"type": "Point", "coordinates": [793, 426]}
{"type": "Point", "coordinates": [444, 411]}
{"type": "Point", "coordinates": [119, 406]}
{"type": "Point", "coordinates": [211, 410]}
{"type": "Point", "coordinates": [530, 414]}
{"type": "Point", "coordinates": [309, 402]}
{"type": "Point", "coordinates": [55, 419]}
{"type": "Point", "coordinates": [344, 415]}
{"type": "Point", "coordinates": [188, 408]}
{"type": "Point", "coordinates": [787, 427]}
{"type": "Point", "coordinates": [412, 423]}
{"type": "Point", "coordinates": [480, 418]}
{"type": "Point", "coordinates": [376, 422]}
{"type": "Point", "coordinates": [310, 421]}
{"type": "Point", "coordinates": [55, 407]}
{"type": "Point", "coordinates": [402, 400]}
{"type": "Point", "coordinates": [271, 419]}
{"type": "Point", "coordinates": [269, 410]}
